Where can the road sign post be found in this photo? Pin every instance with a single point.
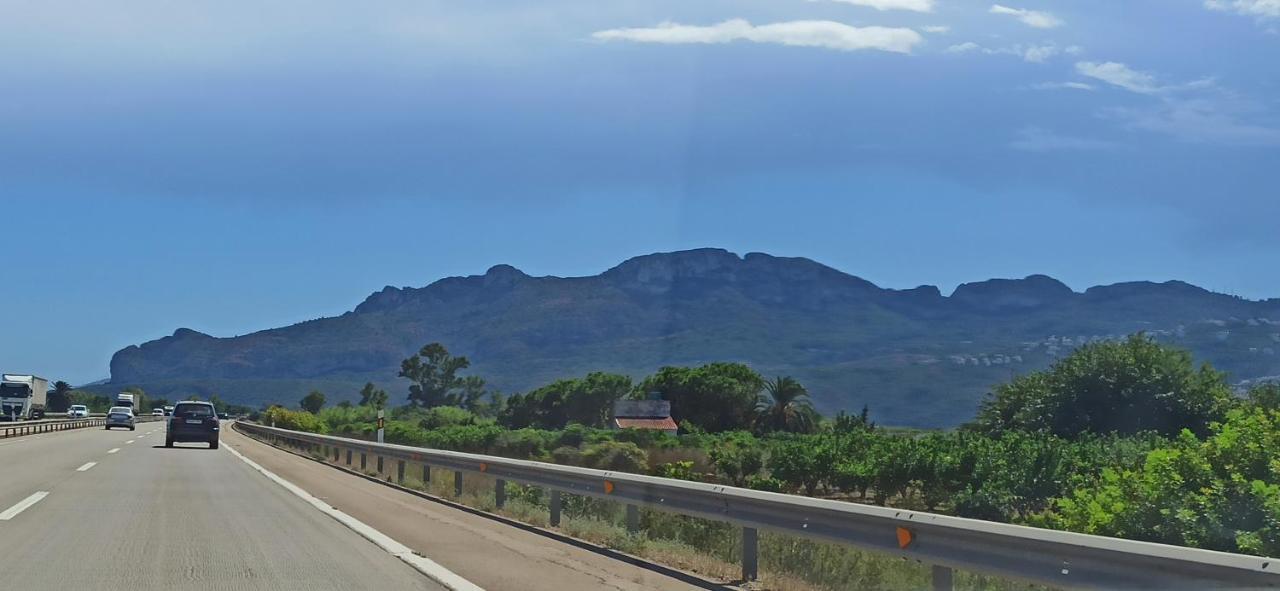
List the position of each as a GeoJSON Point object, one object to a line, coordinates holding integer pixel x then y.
{"type": "Point", "coordinates": [382, 425]}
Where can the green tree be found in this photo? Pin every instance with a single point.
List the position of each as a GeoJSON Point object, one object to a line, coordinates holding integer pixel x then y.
{"type": "Point", "coordinates": [59, 397]}
{"type": "Point", "coordinates": [434, 373]}
{"type": "Point", "coordinates": [155, 403]}
{"type": "Point", "coordinates": [312, 402]}
{"type": "Point", "coordinates": [786, 406]}
{"type": "Point", "coordinates": [371, 395]}
{"type": "Point", "coordinates": [587, 401]}
{"type": "Point", "coordinates": [1220, 493]}
{"type": "Point", "coordinates": [715, 397]}
{"type": "Point", "coordinates": [1265, 395]}
{"type": "Point", "coordinates": [738, 457]}
{"type": "Point", "coordinates": [1128, 386]}
{"type": "Point", "coordinates": [803, 462]}
{"type": "Point", "coordinates": [218, 404]}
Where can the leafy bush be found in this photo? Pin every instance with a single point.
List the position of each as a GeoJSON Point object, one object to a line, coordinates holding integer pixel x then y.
{"type": "Point", "coordinates": [677, 470]}
{"type": "Point", "coordinates": [297, 420]}
{"type": "Point", "coordinates": [447, 416]}
{"type": "Point", "coordinates": [615, 455]}
{"type": "Point", "coordinates": [1125, 387]}
{"type": "Point", "coordinates": [738, 457]}
{"type": "Point", "coordinates": [523, 444]}
{"type": "Point", "coordinates": [765, 483]}
{"type": "Point", "coordinates": [1222, 493]}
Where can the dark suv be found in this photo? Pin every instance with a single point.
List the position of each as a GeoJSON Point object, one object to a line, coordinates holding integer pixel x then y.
{"type": "Point", "coordinates": [192, 422]}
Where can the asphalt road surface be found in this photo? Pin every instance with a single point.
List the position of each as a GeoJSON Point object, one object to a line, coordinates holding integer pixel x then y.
{"type": "Point", "coordinates": [96, 509]}
{"type": "Point", "coordinates": [488, 553]}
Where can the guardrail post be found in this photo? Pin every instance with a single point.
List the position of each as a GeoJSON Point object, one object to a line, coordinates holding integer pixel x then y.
{"type": "Point", "coordinates": [750, 554]}
{"type": "Point", "coordinates": [379, 464]}
{"type": "Point", "coordinates": [555, 508]}
{"type": "Point", "coordinates": [457, 483]}
{"type": "Point", "coordinates": [499, 493]}
{"type": "Point", "coordinates": [399, 471]}
{"type": "Point", "coordinates": [426, 474]}
{"type": "Point", "coordinates": [942, 578]}
{"type": "Point", "coordinates": [362, 460]}
{"type": "Point", "coordinates": [348, 457]}
{"type": "Point", "coordinates": [633, 519]}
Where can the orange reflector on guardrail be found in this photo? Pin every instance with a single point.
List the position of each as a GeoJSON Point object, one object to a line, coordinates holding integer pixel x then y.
{"type": "Point", "coordinates": [484, 467]}
{"type": "Point", "coordinates": [608, 487]}
{"type": "Point", "coordinates": [905, 537]}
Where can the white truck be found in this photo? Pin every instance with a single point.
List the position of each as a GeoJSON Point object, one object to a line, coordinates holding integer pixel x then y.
{"type": "Point", "coordinates": [22, 396]}
{"type": "Point", "coordinates": [125, 399]}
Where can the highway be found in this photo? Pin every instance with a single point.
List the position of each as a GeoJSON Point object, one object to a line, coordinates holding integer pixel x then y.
{"type": "Point", "coordinates": [100, 509]}
{"type": "Point", "coordinates": [96, 509]}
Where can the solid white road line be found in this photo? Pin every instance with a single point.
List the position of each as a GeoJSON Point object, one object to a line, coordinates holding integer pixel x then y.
{"type": "Point", "coordinates": [113, 450]}
{"type": "Point", "coordinates": [128, 442]}
{"type": "Point", "coordinates": [86, 466]}
{"type": "Point", "coordinates": [422, 564]}
{"type": "Point", "coordinates": [22, 505]}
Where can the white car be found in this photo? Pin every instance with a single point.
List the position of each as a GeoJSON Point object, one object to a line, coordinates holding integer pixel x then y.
{"type": "Point", "coordinates": [157, 412]}
{"type": "Point", "coordinates": [120, 416]}
{"type": "Point", "coordinates": [77, 411]}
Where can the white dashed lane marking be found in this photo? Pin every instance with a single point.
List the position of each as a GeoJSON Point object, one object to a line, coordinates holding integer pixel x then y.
{"type": "Point", "coordinates": [23, 505]}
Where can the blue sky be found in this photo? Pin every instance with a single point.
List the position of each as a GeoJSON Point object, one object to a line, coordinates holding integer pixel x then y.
{"type": "Point", "coordinates": [231, 166]}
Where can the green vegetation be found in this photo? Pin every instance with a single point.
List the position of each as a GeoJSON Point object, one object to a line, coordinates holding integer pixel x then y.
{"type": "Point", "coordinates": [1126, 438]}
{"type": "Point", "coordinates": [59, 397]}
{"type": "Point", "coordinates": [371, 395]}
{"type": "Point", "coordinates": [1127, 387]}
{"type": "Point", "coordinates": [586, 401]}
{"type": "Point", "coordinates": [714, 397]}
{"type": "Point", "coordinates": [312, 402]}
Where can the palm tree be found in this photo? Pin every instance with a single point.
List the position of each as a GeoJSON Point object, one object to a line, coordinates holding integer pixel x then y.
{"type": "Point", "coordinates": [785, 406]}
{"type": "Point", "coordinates": [60, 398]}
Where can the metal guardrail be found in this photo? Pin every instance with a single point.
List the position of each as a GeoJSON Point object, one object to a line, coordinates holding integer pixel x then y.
{"type": "Point", "coordinates": [20, 429]}
{"type": "Point", "coordinates": [1048, 557]}
{"type": "Point", "coordinates": [8, 430]}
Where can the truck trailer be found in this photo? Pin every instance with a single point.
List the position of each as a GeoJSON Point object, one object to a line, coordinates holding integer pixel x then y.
{"type": "Point", "coordinates": [22, 397]}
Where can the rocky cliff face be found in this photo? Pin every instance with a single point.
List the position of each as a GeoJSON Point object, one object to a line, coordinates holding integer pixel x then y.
{"type": "Point", "coordinates": [916, 356]}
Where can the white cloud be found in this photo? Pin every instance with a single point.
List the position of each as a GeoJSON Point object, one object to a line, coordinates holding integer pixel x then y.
{"type": "Point", "coordinates": [1199, 111]}
{"type": "Point", "coordinates": [1118, 74]}
{"type": "Point", "coordinates": [1030, 53]}
{"type": "Point", "coordinates": [1035, 139]}
{"type": "Point", "coordinates": [936, 29]}
{"type": "Point", "coordinates": [912, 5]}
{"type": "Point", "coordinates": [1261, 9]}
{"type": "Point", "coordinates": [1038, 54]}
{"type": "Point", "coordinates": [1201, 120]}
{"type": "Point", "coordinates": [1062, 85]}
{"type": "Point", "coordinates": [965, 47]}
{"type": "Point", "coordinates": [825, 34]}
{"type": "Point", "coordinates": [1031, 18]}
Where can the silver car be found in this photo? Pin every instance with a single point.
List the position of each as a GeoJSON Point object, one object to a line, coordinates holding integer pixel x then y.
{"type": "Point", "coordinates": [120, 416]}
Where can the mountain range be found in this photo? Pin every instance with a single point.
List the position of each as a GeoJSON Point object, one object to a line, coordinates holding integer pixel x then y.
{"type": "Point", "coordinates": [915, 356]}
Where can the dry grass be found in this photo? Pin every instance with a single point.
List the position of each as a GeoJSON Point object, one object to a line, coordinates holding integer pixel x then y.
{"type": "Point", "coordinates": [706, 548]}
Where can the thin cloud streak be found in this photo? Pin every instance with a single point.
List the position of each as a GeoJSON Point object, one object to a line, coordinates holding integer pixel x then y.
{"type": "Point", "coordinates": [818, 33]}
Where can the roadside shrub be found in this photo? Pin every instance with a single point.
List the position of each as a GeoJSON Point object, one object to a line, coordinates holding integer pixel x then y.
{"type": "Point", "coordinates": [567, 455]}
{"type": "Point", "coordinates": [615, 455]}
{"type": "Point", "coordinates": [677, 470]}
{"type": "Point", "coordinates": [523, 444]}
{"type": "Point", "coordinates": [447, 416]}
{"type": "Point", "coordinates": [297, 420]}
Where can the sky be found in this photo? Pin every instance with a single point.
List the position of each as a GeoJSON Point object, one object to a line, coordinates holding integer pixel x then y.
{"type": "Point", "coordinates": [232, 166]}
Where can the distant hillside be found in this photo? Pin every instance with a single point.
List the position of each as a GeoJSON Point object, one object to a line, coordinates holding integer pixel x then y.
{"type": "Point", "coordinates": [917, 357]}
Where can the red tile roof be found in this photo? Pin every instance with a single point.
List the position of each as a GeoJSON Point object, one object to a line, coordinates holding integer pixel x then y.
{"type": "Point", "coordinates": [664, 424]}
